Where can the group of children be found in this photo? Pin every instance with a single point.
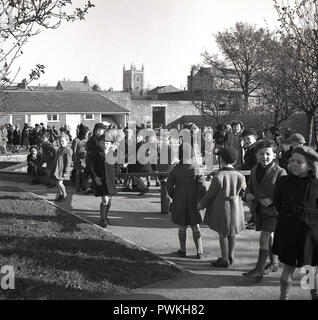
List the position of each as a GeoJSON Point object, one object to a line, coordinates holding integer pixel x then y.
{"type": "Point", "coordinates": [284, 203]}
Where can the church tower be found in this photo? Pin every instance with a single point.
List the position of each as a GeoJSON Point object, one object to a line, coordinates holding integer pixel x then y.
{"type": "Point", "coordinates": [133, 79]}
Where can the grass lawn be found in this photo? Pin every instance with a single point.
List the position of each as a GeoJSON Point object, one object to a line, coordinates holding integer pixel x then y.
{"type": "Point", "coordinates": [57, 256]}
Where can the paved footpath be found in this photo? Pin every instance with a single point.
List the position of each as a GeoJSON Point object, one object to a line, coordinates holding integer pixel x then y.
{"type": "Point", "coordinates": [138, 219]}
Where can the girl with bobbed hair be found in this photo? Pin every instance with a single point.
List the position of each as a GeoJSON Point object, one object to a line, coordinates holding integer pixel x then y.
{"type": "Point", "coordinates": [296, 233]}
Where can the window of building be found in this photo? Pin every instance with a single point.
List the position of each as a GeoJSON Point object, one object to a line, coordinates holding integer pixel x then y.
{"type": "Point", "coordinates": [88, 116]}
{"type": "Point", "coordinates": [52, 117]}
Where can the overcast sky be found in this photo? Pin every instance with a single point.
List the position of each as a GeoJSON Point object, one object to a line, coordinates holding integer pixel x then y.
{"type": "Point", "coordinates": [167, 36]}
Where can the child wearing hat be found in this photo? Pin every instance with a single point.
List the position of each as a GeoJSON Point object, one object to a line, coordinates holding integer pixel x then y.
{"type": "Point", "coordinates": [260, 191]}
{"type": "Point", "coordinates": [224, 207]}
{"type": "Point", "coordinates": [249, 138]}
{"type": "Point", "coordinates": [103, 174]}
{"type": "Point", "coordinates": [296, 234]}
{"type": "Point", "coordinates": [186, 185]}
{"type": "Point", "coordinates": [296, 140]}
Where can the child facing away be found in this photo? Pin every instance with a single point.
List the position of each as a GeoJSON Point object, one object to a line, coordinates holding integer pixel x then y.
{"type": "Point", "coordinates": [61, 167]}
{"type": "Point", "coordinates": [186, 185]}
{"type": "Point", "coordinates": [260, 192]}
{"type": "Point", "coordinates": [35, 161]}
{"type": "Point", "coordinates": [103, 174]}
{"type": "Point", "coordinates": [296, 234]}
{"type": "Point", "coordinates": [224, 206]}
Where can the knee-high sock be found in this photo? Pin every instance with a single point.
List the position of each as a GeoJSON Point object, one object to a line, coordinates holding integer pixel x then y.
{"type": "Point", "coordinates": [285, 287]}
{"type": "Point", "coordinates": [262, 257]}
{"type": "Point", "coordinates": [224, 246]}
{"type": "Point", "coordinates": [182, 239]}
{"type": "Point", "coordinates": [198, 241]}
{"type": "Point", "coordinates": [102, 210]}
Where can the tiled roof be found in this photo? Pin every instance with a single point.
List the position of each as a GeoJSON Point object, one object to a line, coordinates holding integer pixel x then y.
{"type": "Point", "coordinates": [73, 86]}
{"type": "Point", "coordinates": [57, 101]}
{"type": "Point", "coordinates": [163, 89]}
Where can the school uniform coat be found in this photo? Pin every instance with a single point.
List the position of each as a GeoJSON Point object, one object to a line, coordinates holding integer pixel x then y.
{"type": "Point", "coordinates": [61, 166]}
{"type": "Point", "coordinates": [185, 188]}
{"type": "Point", "coordinates": [295, 241]}
{"type": "Point", "coordinates": [266, 187]}
{"type": "Point", "coordinates": [100, 168]}
{"type": "Point", "coordinates": [224, 207]}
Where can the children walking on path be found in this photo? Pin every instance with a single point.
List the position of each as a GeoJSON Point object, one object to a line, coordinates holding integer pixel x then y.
{"type": "Point", "coordinates": [260, 192]}
{"type": "Point", "coordinates": [186, 185]}
{"type": "Point", "coordinates": [225, 212]}
{"type": "Point", "coordinates": [61, 166]}
{"type": "Point", "coordinates": [103, 174]}
{"type": "Point", "coordinates": [296, 234]}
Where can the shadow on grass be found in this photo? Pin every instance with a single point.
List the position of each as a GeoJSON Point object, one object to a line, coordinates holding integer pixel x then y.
{"type": "Point", "coordinates": [97, 261]}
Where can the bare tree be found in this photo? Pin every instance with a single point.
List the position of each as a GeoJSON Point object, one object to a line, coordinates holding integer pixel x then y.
{"type": "Point", "coordinates": [276, 80]}
{"type": "Point", "coordinates": [300, 25]}
{"type": "Point", "coordinates": [242, 47]}
{"type": "Point", "coordinates": [212, 97]}
{"type": "Point", "coordinates": [22, 19]}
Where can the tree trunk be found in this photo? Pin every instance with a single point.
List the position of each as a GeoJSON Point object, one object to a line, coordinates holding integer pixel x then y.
{"type": "Point", "coordinates": [310, 128]}
{"type": "Point", "coordinates": [246, 96]}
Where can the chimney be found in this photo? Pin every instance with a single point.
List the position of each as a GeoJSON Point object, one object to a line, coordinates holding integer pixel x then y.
{"type": "Point", "coordinates": [86, 81]}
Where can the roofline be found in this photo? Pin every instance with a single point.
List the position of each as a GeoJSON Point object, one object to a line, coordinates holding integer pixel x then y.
{"type": "Point", "coordinates": [49, 112]}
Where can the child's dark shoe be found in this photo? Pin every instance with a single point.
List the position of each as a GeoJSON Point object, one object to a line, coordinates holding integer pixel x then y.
{"type": "Point", "coordinates": [220, 263]}
{"type": "Point", "coordinates": [253, 275]}
{"type": "Point", "coordinates": [181, 254]}
{"type": "Point", "coordinates": [231, 260]}
{"type": "Point", "coordinates": [58, 198]}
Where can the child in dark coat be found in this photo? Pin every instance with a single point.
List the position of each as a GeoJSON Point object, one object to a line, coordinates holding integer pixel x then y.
{"type": "Point", "coordinates": [103, 174]}
{"type": "Point", "coordinates": [296, 234]}
{"type": "Point", "coordinates": [186, 185]}
{"type": "Point", "coordinates": [260, 191]}
{"type": "Point", "coordinates": [34, 160]}
{"type": "Point", "coordinates": [225, 212]}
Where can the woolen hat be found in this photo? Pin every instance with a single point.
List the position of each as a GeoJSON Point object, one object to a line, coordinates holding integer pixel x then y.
{"type": "Point", "coordinates": [307, 152]}
{"type": "Point", "coordinates": [297, 137]}
{"type": "Point", "coordinates": [228, 154]}
{"type": "Point", "coordinates": [249, 132]}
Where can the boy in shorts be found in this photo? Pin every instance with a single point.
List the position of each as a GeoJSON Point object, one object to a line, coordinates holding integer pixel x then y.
{"type": "Point", "coordinates": [260, 191]}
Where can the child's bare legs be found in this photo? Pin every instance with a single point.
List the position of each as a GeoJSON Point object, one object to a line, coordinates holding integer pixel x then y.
{"type": "Point", "coordinates": [273, 265]}
{"type": "Point", "coordinates": [104, 209]}
{"type": "Point", "coordinates": [286, 281]}
{"type": "Point", "coordinates": [258, 271]}
{"type": "Point", "coordinates": [196, 233]}
{"type": "Point", "coordinates": [224, 246]}
{"type": "Point", "coordinates": [314, 291]}
{"type": "Point", "coordinates": [231, 239]}
{"type": "Point", "coordinates": [182, 234]}
{"type": "Point", "coordinates": [61, 189]}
